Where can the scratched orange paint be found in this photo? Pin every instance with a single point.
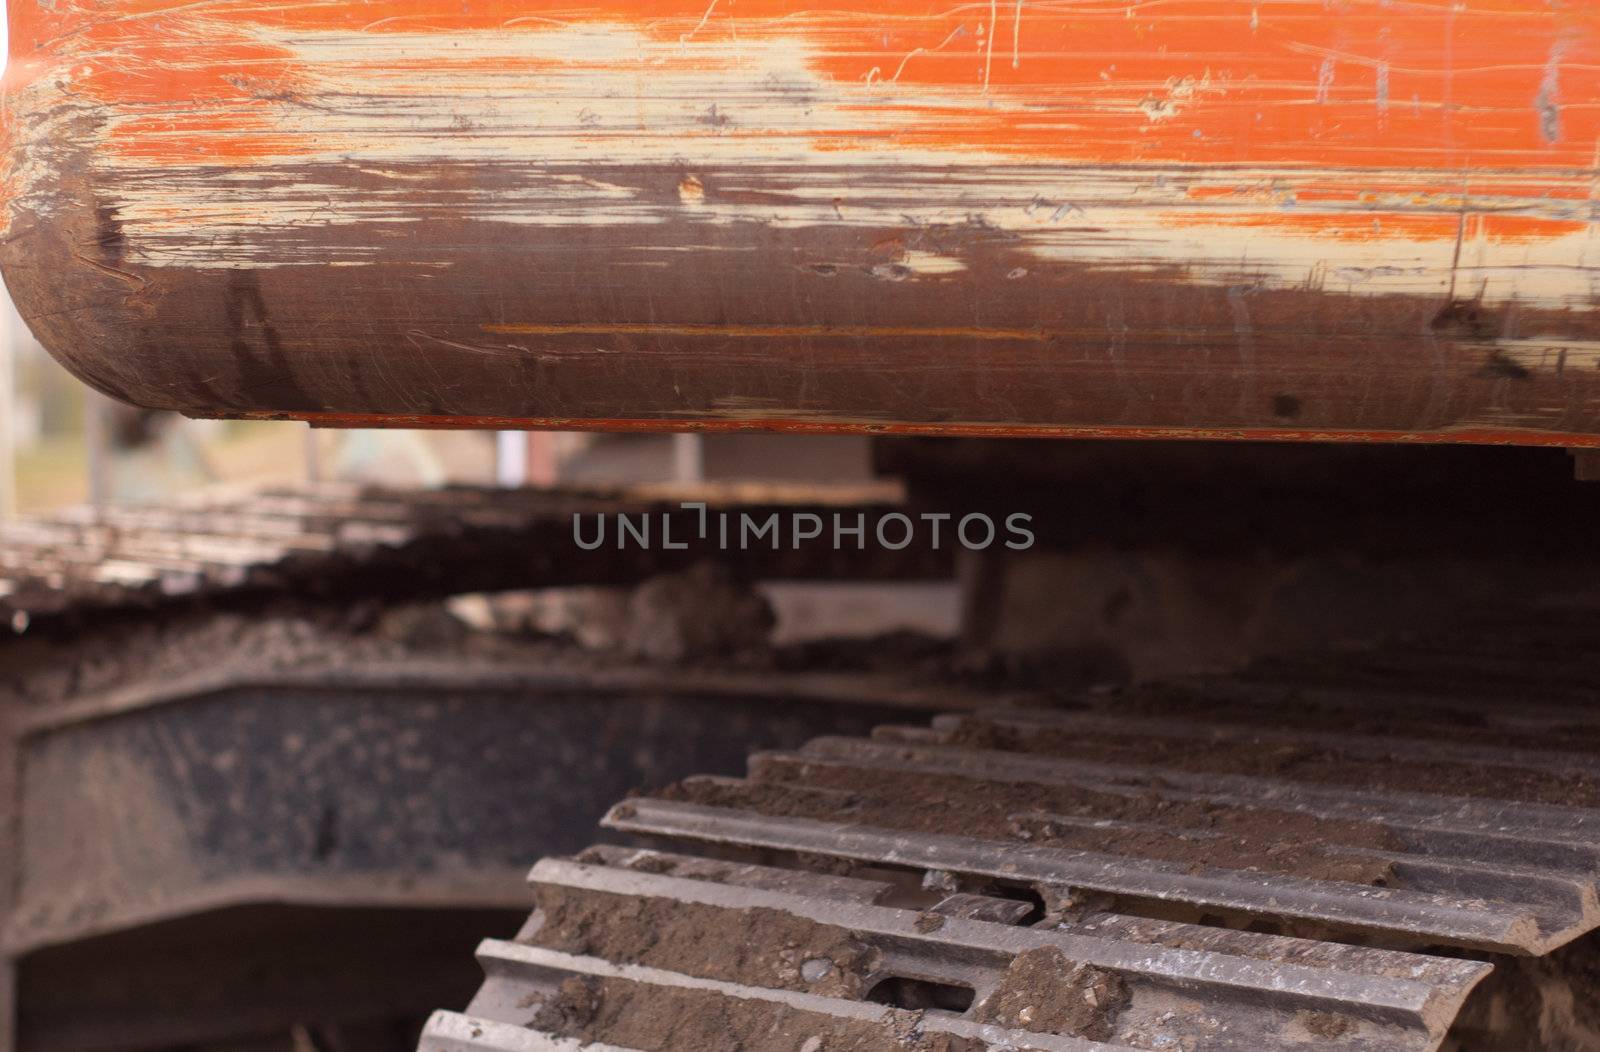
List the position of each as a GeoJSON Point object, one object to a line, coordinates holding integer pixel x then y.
{"type": "Point", "coordinates": [1443, 87]}
{"type": "Point", "coordinates": [1350, 226]}
{"type": "Point", "coordinates": [1486, 64]}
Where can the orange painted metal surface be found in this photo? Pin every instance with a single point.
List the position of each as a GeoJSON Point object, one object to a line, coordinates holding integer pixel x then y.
{"type": "Point", "coordinates": [1293, 219]}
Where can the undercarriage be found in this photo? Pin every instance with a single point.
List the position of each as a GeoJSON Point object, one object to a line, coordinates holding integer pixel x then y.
{"type": "Point", "coordinates": [344, 719]}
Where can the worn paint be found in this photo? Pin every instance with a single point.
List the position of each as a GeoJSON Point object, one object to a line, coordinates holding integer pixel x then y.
{"type": "Point", "coordinates": [1461, 436]}
{"type": "Point", "coordinates": [1044, 215]}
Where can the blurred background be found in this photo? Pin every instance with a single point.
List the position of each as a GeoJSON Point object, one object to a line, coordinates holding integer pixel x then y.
{"type": "Point", "coordinates": [63, 444]}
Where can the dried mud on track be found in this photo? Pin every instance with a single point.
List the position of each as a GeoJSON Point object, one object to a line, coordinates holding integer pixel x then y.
{"type": "Point", "coordinates": [1287, 843]}
{"type": "Point", "coordinates": [611, 1011]}
{"type": "Point", "coordinates": [764, 947]}
{"type": "Point", "coordinates": [1303, 763]}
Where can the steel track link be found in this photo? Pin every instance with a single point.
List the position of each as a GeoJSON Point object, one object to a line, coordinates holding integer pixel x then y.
{"type": "Point", "coordinates": [1135, 872]}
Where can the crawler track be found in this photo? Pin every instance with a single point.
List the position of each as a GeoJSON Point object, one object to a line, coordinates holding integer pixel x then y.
{"type": "Point", "coordinates": [371, 543]}
{"type": "Point", "coordinates": [1333, 856]}
{"type": "Point", "coordinates": [1390, 850]}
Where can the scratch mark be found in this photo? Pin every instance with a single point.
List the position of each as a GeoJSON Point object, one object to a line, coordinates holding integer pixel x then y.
{"type": "Point", "coordinates": [1324, 80]}
{"type": "Point", "coordinates": [914, 52]}
{"type": "Point", "coordinates": [537, 20]}
{"type": "Point", "coordinates": [988, 51]}
{"type": "Point", "coordinates": [684, 38]}
{"type": "Point", "coordinates": [133, 279]}
{"type": "Point", "coordinates": [1455, 259]}
{"type": "Point", "coordinates": [1016, 36]}
{"type": "Point", "coordinates": [415, 335]}
{"type": "Point", "coordinates": [1548, 101]}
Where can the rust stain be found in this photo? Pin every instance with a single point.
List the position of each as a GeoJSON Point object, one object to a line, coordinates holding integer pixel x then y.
{"type": "Point", "coordinates": [1455, 436]}
{"type": "Point", "coordinates": [763, 332]}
